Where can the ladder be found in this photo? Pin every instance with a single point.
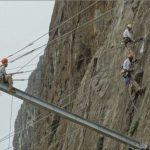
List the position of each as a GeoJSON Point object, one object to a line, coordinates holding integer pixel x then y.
{"type": "Point", "coordinates": [75, 118]}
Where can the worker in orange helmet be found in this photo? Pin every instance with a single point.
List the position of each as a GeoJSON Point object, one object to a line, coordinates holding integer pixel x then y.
{"type": "Point", "coordinates": [127, 70]}
{"type": "Point", "coordinates": [4, 77]}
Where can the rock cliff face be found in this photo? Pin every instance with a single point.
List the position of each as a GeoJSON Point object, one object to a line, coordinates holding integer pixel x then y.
{"type": "Point", "coordinates": [81, 73]}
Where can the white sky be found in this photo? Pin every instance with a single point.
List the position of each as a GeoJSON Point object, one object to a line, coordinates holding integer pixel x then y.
{"type": "Point", "coordinates": [20, 23]}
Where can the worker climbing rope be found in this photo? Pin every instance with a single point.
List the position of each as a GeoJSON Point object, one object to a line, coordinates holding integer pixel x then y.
{"type": "Point", "coordinates": [129, 41]}
{"type": "Point", "coordinates": [127, 72]}
{"type": "Point", "coordinates": [128, 35]}
{"type": "Point", "coordinates": [4, 77]}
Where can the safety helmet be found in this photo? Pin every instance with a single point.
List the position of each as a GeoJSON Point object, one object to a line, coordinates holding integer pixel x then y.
{"type": "Point", "coordinates": [130, 56]}
{"type": "Point", "coordinates": [4, 61]}
{"type": "Point", "coordinates": [129, 26]}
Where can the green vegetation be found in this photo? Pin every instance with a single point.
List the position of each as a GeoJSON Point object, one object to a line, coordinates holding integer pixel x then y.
{"type": "Point", "coordinates": [133, 127]}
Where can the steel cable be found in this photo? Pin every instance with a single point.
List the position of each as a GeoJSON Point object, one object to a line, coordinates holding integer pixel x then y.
{"type": "Point", "coordinates": [58, 26]}
{"type": "Point", "coordinates": [66, 34]}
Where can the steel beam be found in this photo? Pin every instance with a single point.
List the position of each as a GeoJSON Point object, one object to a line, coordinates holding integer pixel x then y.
{"type": "Point", "coordinates": [76, 119]}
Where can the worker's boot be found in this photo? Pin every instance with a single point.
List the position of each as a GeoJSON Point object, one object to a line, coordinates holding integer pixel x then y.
{"type": "Point", "coordinates": [11, 89]}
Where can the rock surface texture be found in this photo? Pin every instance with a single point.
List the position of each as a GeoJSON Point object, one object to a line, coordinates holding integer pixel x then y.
{"type": "Point", "coordinates": [81, 73]}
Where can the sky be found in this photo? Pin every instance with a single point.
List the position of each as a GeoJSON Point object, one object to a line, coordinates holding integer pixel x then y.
{"type": "Point", "coordinates": [20, 24]}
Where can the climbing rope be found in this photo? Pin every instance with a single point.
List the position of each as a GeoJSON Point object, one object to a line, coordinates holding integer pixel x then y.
{"type": "Point", "coordinates": [22, 72]}
{"type": "Point", "coordinates": [22, 129]}
{"type": "Point", "coordinates": [66, 34]}
{"type": "Point", "coordinates": [36, 121]}
{"type": "Point", "coordinates": [20, 50]}
{"type": "Point", "coordinates": [10, 120]}
{"type": "Point", "coordinates": [20, 67]}
{"type": "Point", "coordinates": [58, 26]}
{"type": "Point", "coordinates": [5, 138]}
{"type": "Point", "coordinates": [29, 61]}
{"type": "Point", "coordinates": [30, 52]}
{"type": "Point", "coordinates": [37, 63]}
{"type": "Point", "coordinates": [48, 79]}
{"type": "Point", "coordinates": [55, 125]}
{"type": "Point", "coordinates": [51, 132]}
{"type": "Point", "coordinates": [74, 30]}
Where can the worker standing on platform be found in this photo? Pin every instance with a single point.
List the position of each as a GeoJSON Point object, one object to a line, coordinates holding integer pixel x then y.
{"type": "Point", "coordinates": [4, 77]}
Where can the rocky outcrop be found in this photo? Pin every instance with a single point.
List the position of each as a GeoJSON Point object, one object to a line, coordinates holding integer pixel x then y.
{"type": "Point", "coordinates": [81, 73]}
